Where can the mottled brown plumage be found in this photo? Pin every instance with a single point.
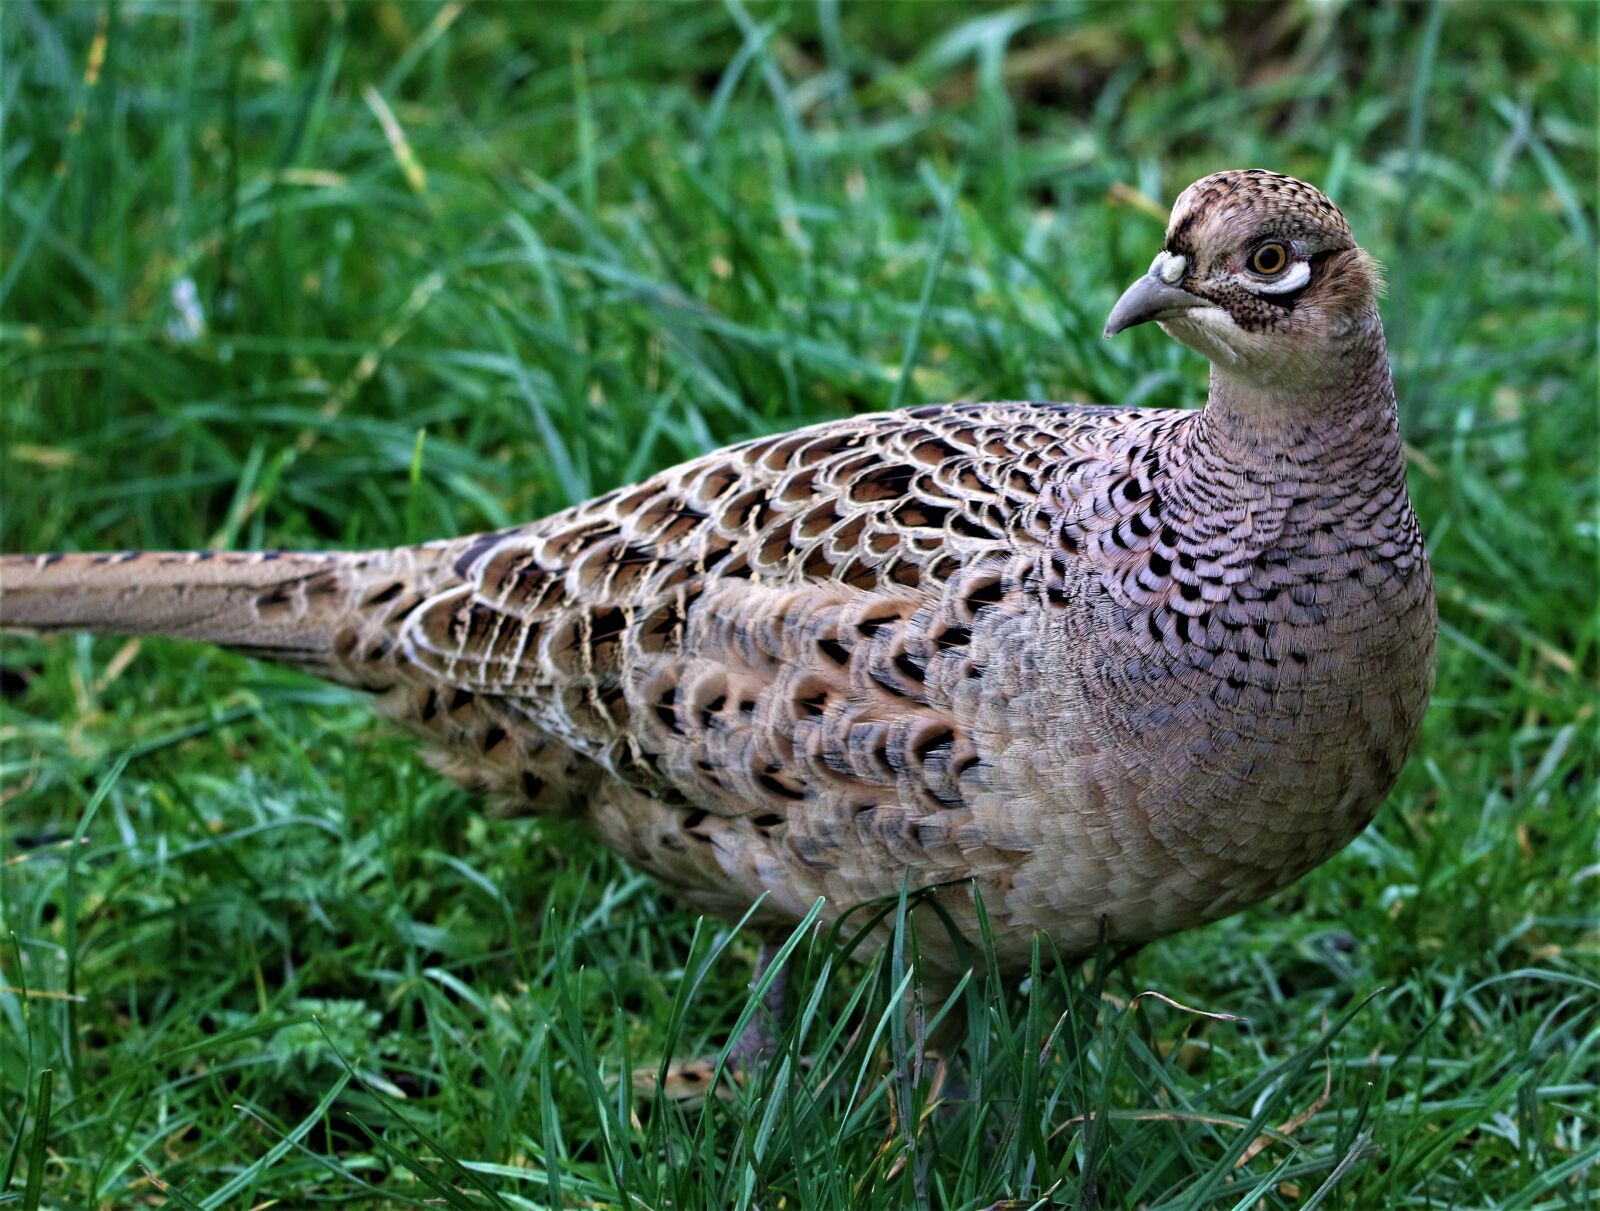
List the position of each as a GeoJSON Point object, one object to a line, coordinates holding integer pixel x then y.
{"type": "Point", "coordinates": [1126, 671]}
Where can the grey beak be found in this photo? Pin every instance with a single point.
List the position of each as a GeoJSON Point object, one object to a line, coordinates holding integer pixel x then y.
{"type": "Point", "coordinates": [1149, 299]}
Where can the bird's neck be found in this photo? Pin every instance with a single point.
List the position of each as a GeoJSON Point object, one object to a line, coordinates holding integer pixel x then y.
{"type": "Point", "coordinates": [1332, 427]}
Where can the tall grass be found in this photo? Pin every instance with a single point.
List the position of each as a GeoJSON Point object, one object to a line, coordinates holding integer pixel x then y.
{"type": "Point", "coordinates": [344, 274]}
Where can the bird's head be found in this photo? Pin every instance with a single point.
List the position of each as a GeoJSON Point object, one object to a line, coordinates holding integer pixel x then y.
{"type": "Point", "coordinates": [1260, 273]}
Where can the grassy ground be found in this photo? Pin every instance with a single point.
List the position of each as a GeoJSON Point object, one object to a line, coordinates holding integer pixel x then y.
{"type": "Point", "coordinates": [452, 267]}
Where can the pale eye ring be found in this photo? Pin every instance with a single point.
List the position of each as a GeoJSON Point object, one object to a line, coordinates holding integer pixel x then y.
{"type": "Point", "coordinates": [1269, 259]}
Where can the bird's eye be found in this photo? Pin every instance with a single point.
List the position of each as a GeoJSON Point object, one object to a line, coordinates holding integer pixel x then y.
{"type": "Point", "coordinates": [1269, 259]}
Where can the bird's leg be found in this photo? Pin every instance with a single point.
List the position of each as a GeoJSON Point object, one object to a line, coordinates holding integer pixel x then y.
{"type": "Point", "coordinates": [690, 1081]}
{"type": "Point", "coordinates": [937, 1046]}
{"type": "Point", "coordinates": [758, 1039]}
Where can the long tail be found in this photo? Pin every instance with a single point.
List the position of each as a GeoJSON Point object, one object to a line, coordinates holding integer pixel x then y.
{"type": "Point", "coordinates": [311, 611]}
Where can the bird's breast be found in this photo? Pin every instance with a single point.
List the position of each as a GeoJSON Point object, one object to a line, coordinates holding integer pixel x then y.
{"type": "Point", "coordinates": [1182, 755]}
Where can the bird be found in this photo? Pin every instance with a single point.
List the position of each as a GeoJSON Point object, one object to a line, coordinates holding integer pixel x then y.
{"type": "Point", "coordinates": [1115, 672]}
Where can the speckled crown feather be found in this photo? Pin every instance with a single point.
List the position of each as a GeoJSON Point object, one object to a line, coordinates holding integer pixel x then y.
{"type": "Point", "coordinates": [1268, 203]}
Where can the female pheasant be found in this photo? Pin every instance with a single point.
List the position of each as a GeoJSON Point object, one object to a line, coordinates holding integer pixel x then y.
{"type": "Point", "coordinates": [1124, 671]}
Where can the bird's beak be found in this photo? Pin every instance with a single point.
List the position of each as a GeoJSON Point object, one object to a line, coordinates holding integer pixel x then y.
{"type": "Point", "coordinates": [1149, 299]}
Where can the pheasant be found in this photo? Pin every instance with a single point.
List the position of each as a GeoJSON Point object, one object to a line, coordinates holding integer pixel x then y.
{"type": "Point", "coordinates": [1122, 671]}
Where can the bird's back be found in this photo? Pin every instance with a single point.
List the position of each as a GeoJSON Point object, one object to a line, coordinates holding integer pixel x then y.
{"type": "Point", "coordinates": [777, 668]}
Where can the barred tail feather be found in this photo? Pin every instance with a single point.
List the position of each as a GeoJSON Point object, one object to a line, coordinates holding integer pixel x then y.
{"type": "Point", "coordinates": [303, 609]}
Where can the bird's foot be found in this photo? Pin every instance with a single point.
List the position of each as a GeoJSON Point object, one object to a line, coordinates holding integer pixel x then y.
{"type": "Point", "coordinates": [690, 1082]}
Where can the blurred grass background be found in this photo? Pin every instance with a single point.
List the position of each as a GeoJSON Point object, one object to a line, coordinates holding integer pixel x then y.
{"type": "Point", "coordinates": [338, 274]}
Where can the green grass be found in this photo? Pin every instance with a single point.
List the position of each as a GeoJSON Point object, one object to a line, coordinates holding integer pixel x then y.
{"type": "Point", "coordinates": [251, 949]}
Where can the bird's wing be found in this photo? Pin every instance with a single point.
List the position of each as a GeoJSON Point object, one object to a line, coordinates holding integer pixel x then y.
{"type": "Point", "coordinates": [785, 619]}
